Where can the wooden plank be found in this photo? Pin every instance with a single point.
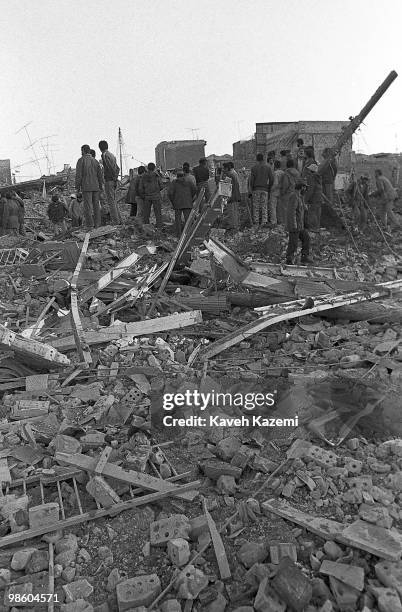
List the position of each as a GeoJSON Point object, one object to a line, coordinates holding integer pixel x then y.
{"type": "Point", "coordinates": [92, 515]}
{"type": "Point", "coordinates": [109, 277]}
{"type": "Point", "coordinates": [220, 553]}
{"type": "Point", "coordinates": [31, 352]}
{"type": "Point", "coordinates": [78, 332]}
{"type": "Point", "coordinates": [112, 470]}
{"type": "Point", "coordinates": [292, 310]}
{"type": "Point", "coordinates": [139, 328]}
{"type": "Point", "coordinates": [103, 459]}
{"type": "Point", "coordinates": [294, 271]}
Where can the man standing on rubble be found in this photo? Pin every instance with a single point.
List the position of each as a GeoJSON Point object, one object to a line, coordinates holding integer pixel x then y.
{"type": "Point", "coordinates": [89, 181]}
{"type": "Point", "coordinates": [287, 187]}
{"type": "Point", "coordinates": [111, 174]}
{"type": "Point", "coordinates": [328, 169]}
{"type": "Point", "coordinates": [181, 193]}
{"type": "Point", "coordinates": [295, 224]}
{"type": "Point", "coordinates": [387, 195]}
{"type": "Point", "coordinates": [313, 195]}
{"type": "Point", "coordinates": [261, 179]}
{"type": "Point", "coordinates": [201, 174]}
{"type": "Point", "coordinates": [150, 188]}
{"type": "Point", "coordinates": [235, 198]}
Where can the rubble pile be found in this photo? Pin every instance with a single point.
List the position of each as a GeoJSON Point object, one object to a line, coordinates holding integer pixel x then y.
{"type": "Point", "coordinates": [105, 508]}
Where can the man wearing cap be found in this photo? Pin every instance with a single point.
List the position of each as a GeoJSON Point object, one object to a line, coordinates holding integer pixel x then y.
{"type": "Point", "coordinates": [295, 224]}
{"type": "Point", "coordinates": [313, 195]}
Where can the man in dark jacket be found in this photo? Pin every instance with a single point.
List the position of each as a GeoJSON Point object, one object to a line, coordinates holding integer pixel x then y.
{"type": "Point", "coordinates": [111, 174]}
{"type": "Point", "coordinates": [89, 181]}
{"type": "Point", "coordinates": [328, 169]}
{"type": "Point", "coordinates": [286, 188]}
{"type": "Point", "coordinates": [201, 174]}
{"type": "Point", "coordinates": [295, 224]}
{"type": "Point", "coordinates": [313, 195]}
{"type": "Point", "coordinates": [150, 188]}
{"type": "Point", "coordinates": [261, 179]}
{"type": "Point", "coordinates": [133, 196]}
{"type": "Point", "coordinates": [181, 193]}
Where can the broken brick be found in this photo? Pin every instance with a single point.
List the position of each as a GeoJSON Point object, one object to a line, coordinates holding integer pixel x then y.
{"type": "Point", "coordinates": [138, 591]}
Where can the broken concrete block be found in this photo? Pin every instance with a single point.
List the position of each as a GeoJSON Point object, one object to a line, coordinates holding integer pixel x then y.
{"type": "Point", "coordinates": [20, 558]}
{"type": "Point", "coordinates": [190, 582]}
{"type": "Point", "coordinates": [65, 558]}
{"type": "Point", "coordinates": [292, 586]}
{"type": "Point", "coordinates": [178, 551]}
{"type": "Point", "coordinates": [353, 466]}
{"type": "Point", "coordinates": [38, 562]}
{"type": "Point", "coordinates": [261, 464]}
{"type": "Point", "coordinates": [351, 575]}
{"type": "Point", "coordinates": [67, 542]}
{"type": "Point", "coordinates": [80, 589]}
{"type": "Point", "coordinates": [43, 515]}
{"type": "Point", "coordinates": [268, 599]}
{"type": "Point", "coordinates": [320, 591]}
{"type": "Point", "coordinates": [257, 572]}
{"type": "Point", "coordinates": [199, 525]}
{"type": "Point", "coordinates": [242, 457]}
{"type": "Point", "coordinates": [280, 550]}
{"type": "Point", "coordinates": [388, 600]}
{"type": "Point", "coordinates": [375, 514]}
{"type": "Point", "coordinates": [378, 541]}
{"type": "Point", "coordinates": [176, 526]}
{"type": "Point", "coordinates": [332, 550]}
{"type": "Point", "coordinates": [226, 485]}
{"type": "Point", "coordinates": [5, 577]}
{"type": "Point", "coordinates": [345, 595]}
{"type": "Point", "coordinates": [65, 444]}
{"type": "Point", "coordinates": [390, 574]}
{"type": "Point", "coordinates": [171, 605]}
{"type": "Point", "coordinates": [324, 458]}
{"type": "Point", "coordinates": [214, 469]}
{"type": "Point", "coordinates": [227, 448]}
{"type": "Point", "coordinates": [17, 591]}
{"type": "Point", "coordinates": [252, 552]}
{"type": "Point", "coordinates": [217, 605]}
{"type": "Point", "coordinates": [102, 492]}
{"type": "Point", "coordinates": [394, 481]}
{"type": "Point", "coordinates": [80, 605]}
{"type": "Point", "coordinates": [138, 591]}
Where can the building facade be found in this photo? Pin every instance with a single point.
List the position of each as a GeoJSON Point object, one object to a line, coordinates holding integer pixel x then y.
{"type": "Point", "coordinates": [281, 135]}
{"type": "Point", "coordinates": [171, 155]}
{"type": "Point", "coordinates": [5, 172]}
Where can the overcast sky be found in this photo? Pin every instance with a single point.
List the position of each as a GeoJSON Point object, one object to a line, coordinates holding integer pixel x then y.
{"type": "Point", "coordinates": [79, 70]}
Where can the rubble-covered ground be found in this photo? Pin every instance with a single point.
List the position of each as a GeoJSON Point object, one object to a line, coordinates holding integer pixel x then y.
{"type": "Point", "coordinates": [309, 515]}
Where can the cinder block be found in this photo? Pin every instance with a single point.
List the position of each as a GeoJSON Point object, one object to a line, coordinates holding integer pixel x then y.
{"type": "Point", "coordinates": [171, 605]}
{"type": "Point", "coordinates": [41, 516]}
{"type": "Point", "coordinates": [176, 526]}
{"type": "Point", "coordinates": [280, 550]}
{"type": "Point", "coordinates": [199, 525]}
{"type": "Point", "coordinates": [138, 591]}
{"type": "Point", "coordinates": [178, 551]}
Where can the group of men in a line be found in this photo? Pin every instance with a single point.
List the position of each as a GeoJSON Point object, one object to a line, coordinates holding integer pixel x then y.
{"type": "Point", "coordinates": [144, 193]}
{"type": "Point", "coordinates": [95, 179]}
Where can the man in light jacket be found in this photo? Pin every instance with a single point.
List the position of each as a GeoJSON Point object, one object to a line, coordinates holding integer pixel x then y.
{"type": "Point", "coordinates": [89, 181]}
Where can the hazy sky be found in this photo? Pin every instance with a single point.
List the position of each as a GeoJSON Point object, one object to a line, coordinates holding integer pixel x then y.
{"type": "Point", "coordinates": [80, 69]}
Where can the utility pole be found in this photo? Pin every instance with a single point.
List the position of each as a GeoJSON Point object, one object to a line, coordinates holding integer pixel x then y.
{"type": "Point", "coordinates": [121, 155]}
{"type": "Point", "coordinates": [194, 132]}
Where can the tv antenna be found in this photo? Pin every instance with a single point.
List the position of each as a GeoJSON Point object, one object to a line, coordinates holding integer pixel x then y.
{"type": "Point", "coordinates": [194, 132]}
{"type": "Point", "coordinates": [31, 145]}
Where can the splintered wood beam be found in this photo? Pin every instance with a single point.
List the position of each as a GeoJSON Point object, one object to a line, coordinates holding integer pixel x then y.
{"type": "Point", "coordinates": [78, 332]}
{"type": "Point", "coordinates": [293, 310]}
{"type": "Point", "coordinates": [139, 328]}
{"type": "Point", "coordinates": [111, 470]}
{"type": "Point", "coordinates": [32, 352]}
{"type": "Point", "coordinates": [241, 273]}
{"type": "Point", "coordinates": [109, 277]}
{"type": "Point", "coordinates": [217, 543]}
